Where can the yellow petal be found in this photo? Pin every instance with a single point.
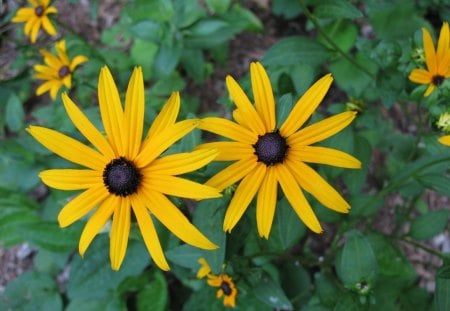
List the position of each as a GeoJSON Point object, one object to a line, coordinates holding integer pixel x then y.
{"type": "Point", "coordinates": [48, 26]}
{"type": "Point", "coordinates": [157, 144]}
{"type": "Point", "coordinates": [443, 48]}
{"type": "Point", "coordinates": [229, 150]}
{"type": "Point", "coordinates": [179, 187]}
{"type": "Point", "coordinates": [296, 198]}
{"type": "Point", "coordinates": [86, 128]}
{"type": "Point", "coordinates": [180, 163]}
{"type": "Point", "coordinates": [313, 183]}
{"type": "Point", "coordinates": [55, 88]}
{"type": "Point", "coordinates": [51, 10]}
{"type": "Point", "coordinates": [68, 148]}
{"type": "Point", "coordinates": [81, 205]}
{"type": "Point", "coordinates": [29, 25]}
{"type": "Point", "coordinates": [262, 92]}
{"type": "Point", "coordinates": [71, 179]}
{"type": "Point", "coordinates": [266, 203]}
{"type": "Point", "coordinates": [78, 60]}
{"type": "Point", "coordinates": [171, 217]}
{"type": "Point", "coordinates": [321, 130]}
{"type": "Point", "coordinates": [243, 196]}
{"type": "Point", "coordinates": [420, 76]}
{"type": "Point", "coordinates": [23, 15]}
{"type": "Point", "coordinates": [149, 233]}
{"type": "Point", "coordinates": [167, 116]}
{"type": "Point", "coordinates": [35, 30]}
{"type": "Point", "coordinates": [111, 110]}
{"type": "Point", "coordinates": [430, 53]}
{"type": "Point", "coordinates": [323, 155]}
{"type": "Point", "coordinates": [204, 270]}
{"type": "Point", "coordinates": [306, 105]}
{"type": "Point", "coordinates": [52, 61]}
{"type": "Point", "coordinates": [46, 70]}
{"type": "Point", "coordinates": [96, 222]}
{"type": "Point", "coordinates": [232, 173]}
{"type": "Point", "coordinates": [228, 129]}
{"type": "Point", "coordinates": [62, 52]}
{"type": "Point", "coordinates": [250, 117]}
{"type": "Point", "coordinates": [429, 90]}
{"type": "Point", "coordinates": [45, 87]}
{"type": "Point", "coordinates": [120, 230]}
{"type": "Point", "coordinates": [134, 114]}
{"type": "Point", "coordinates": [445, 140]}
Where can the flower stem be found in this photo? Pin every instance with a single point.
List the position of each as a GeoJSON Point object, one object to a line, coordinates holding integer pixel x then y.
{"type": "Point", "coordinates": [316, 23]}
{"type": "Point", "coordinates": [425, 248]}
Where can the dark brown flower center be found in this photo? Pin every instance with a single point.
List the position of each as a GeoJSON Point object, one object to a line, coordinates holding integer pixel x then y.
{"type": "Point", "coordinates": [271, 148]}
{"type": "Point", "coordinates": [39, 10]}
{"type": "Point", "coordinates": [63, 71]}
{"type": "Point", "coordinates": [121, 177]}
{"type": "Point", "coordinates": [225, 288]}
{"type": "Point", "coordinates": [437, 80]}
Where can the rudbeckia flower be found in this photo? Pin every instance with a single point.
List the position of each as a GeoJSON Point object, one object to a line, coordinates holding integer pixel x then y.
{"type": "Point", "coordinates": [57, 70]}
{"type": "Point", "coordinates": [268, 155]}
{"type": "Point", "coordinates": [227, 289]}
{"type": "Point", "coordinates": [437, 61]}
{"type": "Point", "coordinates": [445, 140]}
{"type": "Point", "coordinates": [204, 270]}
{"type": "Point", "coordinates": [36, 16]}
{"type": "Point", "coordinates": [124, 174]}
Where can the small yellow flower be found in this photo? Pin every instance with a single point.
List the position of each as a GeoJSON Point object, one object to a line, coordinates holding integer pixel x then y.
{"type": "Point", "coordinates": [57, 70]}
{"type": "Point", "coordinates": [125, 174]}
{"type": "Point", "coordinates": [437, 60]}
{"type": "Point", "coordinates": [444, 122]}
{"type": "Point", "coordinates": [445, 140]}
{"type": "Point", "coordinates": [36, 16]}
{"type": "Point", "coordinates": [204, 270]}
{"type": "Point", "coordinates": [226, 288]}
{"type": "Point", "coordinates": [268, 155]}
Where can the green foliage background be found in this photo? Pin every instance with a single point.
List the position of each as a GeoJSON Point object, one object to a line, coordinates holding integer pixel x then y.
{"type": "Point", "coordinates": [369, 46]}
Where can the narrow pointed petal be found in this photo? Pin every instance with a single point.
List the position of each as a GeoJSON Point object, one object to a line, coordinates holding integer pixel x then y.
{"type": "Point", "coordinates": [297, 199]}
{"type": "Point", "coordinates": [55, 88]}
{"type": "Point", "coordinates": [266, 203]}
{"type": "Point", "coordinates": [51, 72]}
{"type": "Point", "coordinates": [249, 115]}
{"type": "Point", "coordinates": [134, 113]}
{"type": "Point", "coordinates": [306, 105]}
{"type": "Point", "coordinates": [81, 205]}
{"type": "Point", "coordinates": [443, 47]}
{"type": "Point", "coordinates": [52, 61]}
{"type": "Point", "coordinates": [430, 53]}
{"type": "Point", "coordinates": [228, 129]}
{"type": "Point", "coordinates": [167, 116]}
{"type": "Point", "coordinates": [120, 230]}
{"type": "Point", "coordinates": [313, 183]}
{"type": "Point", "coordinates": [71, 179]}
{"type": "Point", "coordinates": [44, 87]}
{"type": "Point", "coordinates": [86, 128]}
{"type": "Point", "coordinates": [157, 144]}
{"type": "Point", "coordinates": [171, 217]}
{"type": "Point", "coordinates": [51, 10]}
{"type": "Point", "coordinates": [35, 30]}
{"type": "Point", "coordinates": [445, 140]}
{"type": "Point", "coordinates": [111, 110]}
{"type": "Point", "coordinates": [76, 61]}
{"type": "Point", "coordinates": [149, 233]}
{"type": "Point", "coordinates": [181, 163]}
{"type": "Point", "coordinates": [232, 173]}
{"type": "Point", "coordinates": [68, 148]}
{"type": "Point", "coordinates": [29, 25]}
{"type": "Point", "coordinates": [229, 150]}
{"type": "Point", "coordinates": [48, 26]}
{"type": "Point", "coordinates": [180, 187]}
{"type": "Point", "coordinates": [429, 90]}
{"type": "Point", "coordinates": [263, 94]}
{"type": "Point", "coordinates": [242, 197]}
{"type": "Point", "coordinates": [23, 14]}
{"type": "Point", "coordinates": [62, 52]}
{"type": "Point", "coordinates": [321, 130]}
{"type": "Point", "coordinates": [420, 76]}
{"type": "Point", "coordinates": [323, 155]}
{"type": "Point", "coordinates": [96, 222]}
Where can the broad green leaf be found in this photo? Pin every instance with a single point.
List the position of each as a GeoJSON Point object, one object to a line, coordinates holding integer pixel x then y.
{"type": "Point", "coordinates": [296, 49]}
{"type": "Point", "coordinates": [208, 33]}
{"type": "Point", "coordinates": [154, 296]}
{"type": "Point", "coordinates": [442, 295]}
{"type": "Point", "coordinates": [287, 8]}
{"type": "Point", "coordinates": [147, 30]}
{"type": "Point", "coordinates": [336, 9]}
{"type": "Point", "coordinates": [355, 178]}
{"type": "Point", "coordinates": [430, 224]}
{"type": "Point", "coordinates": [271, 293]}
{"type": "Point", "coordinates": [194, 64]}
{"type": "Point", "coordinates": [344, 34]}
{"type": "Point", "coordinates": [109, 303]}
{"type": "Point", "coordinates": [357, 267]}
{"type": "Point", "coordinates": [218, 6]}
{"type": "Point", "coordinates": [283, 108]}
{"type": "Point", "coordinates": [166, 59]}
{"type": "Point", "coordinates": [157, 10]}
{"type": "Point", "coordinates": [437, 182]}
{"type": "Point", "coordinates": [143, 53]}
{"type": "Point", "coordinates": [11, 226]}
{"type": "Point", "coordinates": [14, 113]}
{"type": "Point", "coordinates": [295, 281]}
{"type": "Point", "coordinates": [327, 290]}
{"type": "Point", "coordinates": [363, 205]}
{"type": "Point", "coordinates": [185, 256]}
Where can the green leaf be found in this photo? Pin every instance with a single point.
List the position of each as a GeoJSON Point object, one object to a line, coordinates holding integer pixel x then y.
{"type": "Point", "coordinates": [143, 53]}
{"type": "Point", "coordinates": [328, 291]}
{"type": "Point", "coordinates": [11, 226]}
{"type": "Point", "coordinates": [147, 30]}
{"type": "Point", "coordinates": [109, 303]}
{"type": "Point", "coordinates": [185, 256]}
{"type": "Point", "coordinates": [208, 33]}
{"type": "Point", "coordinates": [336, 9]}
{"type": "Point", "coordinates": [194, 64]}
{"type": "Point", "coordinates": [271, 293]}
{"type": "Point", "coordinates": [287, 8]}
{"type": "Point", "coordinates": [430, 224]}
{"type": "Point", "coordinates": [294, 50]}
{"type": "Point", "coordinates": [218, 6]}
{"type": "Point", "coordinates": [437, 182]}
{"type": "Point", "coordinates": [154, 296]}
{"type": "Point", "coordinates": [284, 107]}
{"type": "Point", "coordinates": [357, 267]}
{"type": "Point", "coordinates": [442, 294]}
{"type": "Point", "coordinates": [14, 113]}
{"type": "Point", "coordinates": [167, 59]}
{"type": "Point", "coordinates": [157, 10]}
{"type": "Point", "coordinates": [295, 281]}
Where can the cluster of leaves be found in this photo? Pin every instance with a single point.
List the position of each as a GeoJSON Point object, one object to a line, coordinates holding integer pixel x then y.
{"type": "Point", "coordinates": [369, 46]}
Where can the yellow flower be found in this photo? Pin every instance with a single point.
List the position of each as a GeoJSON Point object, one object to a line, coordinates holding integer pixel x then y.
{"type": "Point", "coordinates": [57, 71]}
{"type": "Point", "coordinates": [204, 270]}
{"type": "Point", "coordinates": [226, 288]}
{"type": "Point", "coordinates": [438, 61]}
{"type": "Point", "coordinates": [35, 17]}
{"type": "Point", "coordinates": [125, 174]}
{"type": "Point", "coordinates": [267, 156]}
{"type": "Point", "coordinates": [445, 140]}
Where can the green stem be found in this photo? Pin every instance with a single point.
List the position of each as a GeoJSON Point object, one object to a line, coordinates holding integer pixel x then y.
{"type": "Point", "coordinates": [425, 248]}
{"type": "Point", "coordinates": [316, 23]}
